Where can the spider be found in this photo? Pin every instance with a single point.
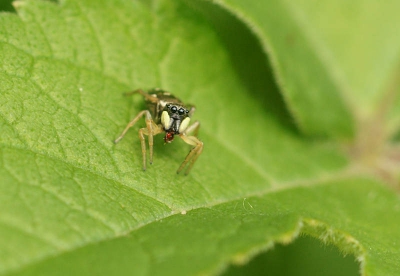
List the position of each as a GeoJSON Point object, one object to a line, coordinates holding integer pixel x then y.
{"type": "Point", "coordinates": [166, 113]}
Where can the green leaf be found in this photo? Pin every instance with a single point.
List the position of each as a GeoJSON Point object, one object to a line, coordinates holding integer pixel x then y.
{"type": "Point", "coordinates": [73, 202]}
{"type": "Point", "coordinates": [336, 63]}
{"type": "Point", "coordinates": [321, 259]}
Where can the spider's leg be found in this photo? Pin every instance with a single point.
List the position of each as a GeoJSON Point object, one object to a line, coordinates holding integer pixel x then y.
{"type": "Point", "coordinates": [194, 152]}
{"type": "Point", "coordinates": [145, 131]}
{"type": "Point", "coordinates": [147, 96]}
{"type": "Point", "coordinates": [150, 130]}
{"type": "Point", "coordinates": [133, 122]}
{"type": "Point", "coordinates": [192, 109]}
{"type": "Point", "coordinates": [193, 128]}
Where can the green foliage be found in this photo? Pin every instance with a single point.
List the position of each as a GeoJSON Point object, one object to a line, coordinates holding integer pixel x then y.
{"type": "Point", "coordinates": [73, 202]}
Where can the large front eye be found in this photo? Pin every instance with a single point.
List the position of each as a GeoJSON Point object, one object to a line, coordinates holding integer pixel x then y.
{"type": "Point", "coordinates": [174, 109]}
{"type": "Point", "coordinates": [181, 111]}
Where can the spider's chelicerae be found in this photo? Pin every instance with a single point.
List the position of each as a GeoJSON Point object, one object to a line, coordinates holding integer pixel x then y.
{"type": "Point", "coordinates": [166, 113]}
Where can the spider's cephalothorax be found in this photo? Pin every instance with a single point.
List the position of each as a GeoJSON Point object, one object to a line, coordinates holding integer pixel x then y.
{"type": "Point", "coordinates": [168, 114]}
{"type": "Point", "coordinates": [175, 120]}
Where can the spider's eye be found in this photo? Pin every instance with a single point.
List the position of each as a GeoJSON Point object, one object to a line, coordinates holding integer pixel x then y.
{"type": "Point", "coordinates": [181, 111]}
{"type": "Point", "coordinates": [174, 109]}
{"type": "Point", "coordinates": [187, 111]}
{"type": "Point", "coordinates": [168, 105]}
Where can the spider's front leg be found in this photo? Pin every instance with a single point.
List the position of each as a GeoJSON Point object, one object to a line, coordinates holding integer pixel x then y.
{"type": "Point", "coordinates": [194, 152]}
{"type": "Point", "coordinates": [155, 129]}
{"type": "Point", "coordinates": [150, 130]}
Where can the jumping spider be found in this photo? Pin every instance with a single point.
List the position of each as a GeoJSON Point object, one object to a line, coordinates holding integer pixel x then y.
{"type": "Point", "coordinates": [166, 113]}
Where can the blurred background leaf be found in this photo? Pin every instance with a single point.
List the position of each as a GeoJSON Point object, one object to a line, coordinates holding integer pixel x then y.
{"type": "Point", "coordinates": [335, 62]}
